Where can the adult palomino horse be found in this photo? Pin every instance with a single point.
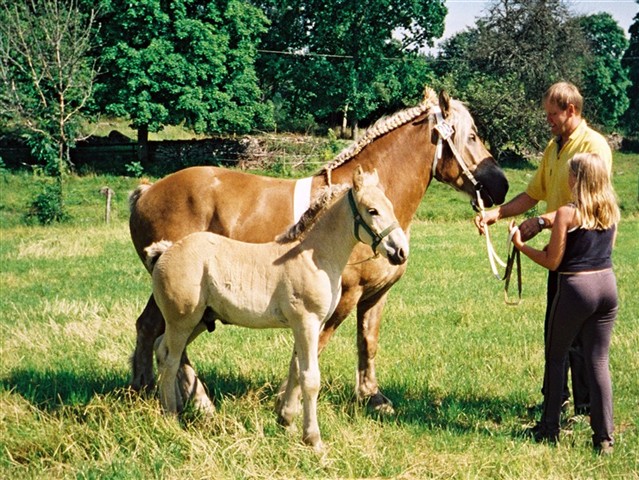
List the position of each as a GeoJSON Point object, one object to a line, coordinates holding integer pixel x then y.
{"type": "Point", "coordinates": [294, 282]}
{"type": "Point", "coordinates": [406, 149]}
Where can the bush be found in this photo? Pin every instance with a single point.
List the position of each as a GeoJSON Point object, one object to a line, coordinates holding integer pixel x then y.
{"type": "Point", "coordinates": [48, 206]}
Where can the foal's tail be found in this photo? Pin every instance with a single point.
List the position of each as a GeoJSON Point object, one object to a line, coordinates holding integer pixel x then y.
{"type": "Point", "coordinates": [154, 251]}
{"type": "Point", "coordinates": [135, 195]}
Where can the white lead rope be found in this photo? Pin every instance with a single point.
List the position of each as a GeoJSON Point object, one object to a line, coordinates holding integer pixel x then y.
{"type": "Point", "coordinates": [494, 259]}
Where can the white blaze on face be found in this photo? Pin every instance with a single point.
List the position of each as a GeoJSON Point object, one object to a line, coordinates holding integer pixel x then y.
{"type": "Point", "coordinates": [301, 197]}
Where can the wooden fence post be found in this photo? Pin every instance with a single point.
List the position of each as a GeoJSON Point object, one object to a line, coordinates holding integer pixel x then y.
{"type": "Point", "coordinates": [108, 193]}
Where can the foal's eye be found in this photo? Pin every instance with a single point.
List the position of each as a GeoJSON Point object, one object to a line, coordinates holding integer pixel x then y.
{"type": "Point", "coordinates": [372, 212]}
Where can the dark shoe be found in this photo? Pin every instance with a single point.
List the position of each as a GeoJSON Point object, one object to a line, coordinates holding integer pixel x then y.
{"type": "Point", "coordinates": [541, 433]}
{"type": "Point", "coordinates": [604, 447]}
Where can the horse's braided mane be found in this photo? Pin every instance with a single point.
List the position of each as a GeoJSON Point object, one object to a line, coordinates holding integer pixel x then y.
{"type": "Point", "coordinates": [324, 198]}
{"type": "Point", "coordinates": [382, 127]}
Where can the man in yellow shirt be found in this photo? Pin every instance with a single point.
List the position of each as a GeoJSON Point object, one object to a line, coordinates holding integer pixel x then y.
{"type": "Point", "coordinates": [563, 104]}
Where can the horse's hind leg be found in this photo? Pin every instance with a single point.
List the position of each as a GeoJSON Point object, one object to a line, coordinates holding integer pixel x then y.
{"type": "Point", "coordinates": [149, 326]}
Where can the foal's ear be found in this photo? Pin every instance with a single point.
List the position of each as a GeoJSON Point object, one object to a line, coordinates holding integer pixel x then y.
{"type": "Point", "coordinates": [358, 178]}
{"type": "Point", "coordinates": [444, 103]}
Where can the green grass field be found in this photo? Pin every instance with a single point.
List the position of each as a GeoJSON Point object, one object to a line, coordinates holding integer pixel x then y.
{"type": "Point", "coordinates": [460, 366]}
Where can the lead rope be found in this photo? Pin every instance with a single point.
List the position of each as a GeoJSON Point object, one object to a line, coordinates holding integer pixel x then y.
{"type": "Point", "coordinates": [514, 256]}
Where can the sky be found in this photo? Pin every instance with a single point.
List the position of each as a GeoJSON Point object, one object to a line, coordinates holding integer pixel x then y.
{"type": "Point", "coordinates": [462, 13]}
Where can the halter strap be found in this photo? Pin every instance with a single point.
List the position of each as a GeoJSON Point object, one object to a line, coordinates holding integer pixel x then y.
{"type": "Point", "coordinates": [359, 222]}
{"type": "Point", "coordinates": [445, 133]}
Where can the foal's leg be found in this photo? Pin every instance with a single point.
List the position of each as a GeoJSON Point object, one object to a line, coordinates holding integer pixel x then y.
{"type": "Point", "coordinates": [190, 386]}
{"type": "Point", "coordinates": [289, 396]}
{"type": "Point", "coordinates": [169, 350]}
{"type": "Point", "coordinates": [306, 341]}
{"type": "Point", "coordinates": [289, 392]}
{"type": "Point", "coordinates": [149, 326]}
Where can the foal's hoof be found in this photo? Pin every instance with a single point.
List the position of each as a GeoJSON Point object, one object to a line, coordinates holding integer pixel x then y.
{"type": "Point", "coordinates": [379, 404]}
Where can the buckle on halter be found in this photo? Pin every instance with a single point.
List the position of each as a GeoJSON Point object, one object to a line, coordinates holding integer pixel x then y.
{"type": "Point", "coordinates": [445, 130]}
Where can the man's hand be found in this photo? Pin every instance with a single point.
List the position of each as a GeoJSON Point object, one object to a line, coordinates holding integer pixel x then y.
{"type": "Point", "coordinates": [488, 218]}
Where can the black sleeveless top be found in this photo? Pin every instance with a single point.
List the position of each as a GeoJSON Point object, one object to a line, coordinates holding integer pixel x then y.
{"type": "Point", "coordinates": [587, 250]}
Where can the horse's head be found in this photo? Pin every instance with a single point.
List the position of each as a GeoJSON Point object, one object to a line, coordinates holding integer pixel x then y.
{"type": "Point", "coordinates": [374, 215]}
{"type": "Point", "coordinates": [461, 159]}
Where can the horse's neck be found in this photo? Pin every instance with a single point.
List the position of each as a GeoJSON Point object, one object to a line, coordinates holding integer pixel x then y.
{"type": "Point", "coordinates": [332, 237]}
{"type": "Point", "coordinates": [403, 159]}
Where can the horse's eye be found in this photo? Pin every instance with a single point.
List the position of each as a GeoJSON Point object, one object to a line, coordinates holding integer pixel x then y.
{"type": "Point", "coordinates": [473, 137]}
{"type": "Point", "coordinates": [372, 212]}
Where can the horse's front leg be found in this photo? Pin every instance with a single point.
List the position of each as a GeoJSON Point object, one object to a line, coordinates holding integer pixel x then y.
{"type": "Point", "coordinates": [369, 316]}
{"type": "Point", "coordinates": [306, 346]}
{"type": "Point", "coordinates": [149, 326]}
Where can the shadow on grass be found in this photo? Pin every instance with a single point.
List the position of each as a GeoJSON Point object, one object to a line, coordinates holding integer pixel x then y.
{"type": "Point", "coordinates": [51, 390]}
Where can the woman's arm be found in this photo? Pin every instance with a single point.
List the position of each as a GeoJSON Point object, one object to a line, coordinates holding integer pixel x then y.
{"type": "Point", "coordinates": [552, 255]}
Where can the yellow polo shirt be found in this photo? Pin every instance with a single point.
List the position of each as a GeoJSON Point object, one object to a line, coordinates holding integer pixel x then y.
{"type": "Point", "coordinates": [550, 182]}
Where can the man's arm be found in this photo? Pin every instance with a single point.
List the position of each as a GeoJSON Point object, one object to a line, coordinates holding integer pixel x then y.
{"type": "Point", "coordinates": [518, 205]}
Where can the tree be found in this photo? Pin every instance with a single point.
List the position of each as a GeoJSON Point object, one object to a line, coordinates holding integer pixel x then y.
{"type": "Point", "coordinates": [631, 62]}
{"type": "Point", "coordinates": [605, 80]}
{"type": "Point", "coordinates": [46, 72]}
{"type": "Point", "coordinates": [326, 58]}
{"type": "Point", "coordinates": [47, 80]}
{"type": "Point", "coordinates": [183, 61]}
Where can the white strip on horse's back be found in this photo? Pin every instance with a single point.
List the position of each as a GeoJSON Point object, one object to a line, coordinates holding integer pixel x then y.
{"type": "Point", "coordinates": [301, 197]}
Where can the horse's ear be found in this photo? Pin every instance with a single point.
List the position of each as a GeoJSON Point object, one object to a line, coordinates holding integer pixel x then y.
{"type": "Point", "coordinates": [358, 178]}
{"type": "Point", "coordinates": [444, 103]}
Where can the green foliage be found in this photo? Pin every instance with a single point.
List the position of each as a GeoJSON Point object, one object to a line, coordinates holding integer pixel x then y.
{"type": "Point", "coordinates": [631, 62]}
{"type": "Point", "coordinates": [183, 62]}
{"type": "Point", "coordinates": [605, 79]}
{"type": "Point", "coordinates": [48, 206]}
{"type": "Point", "coordinates": [135, 169]}
{"type": "Point", "coordinates": [334, 59]}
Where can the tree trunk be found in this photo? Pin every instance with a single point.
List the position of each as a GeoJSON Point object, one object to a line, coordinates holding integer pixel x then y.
{"type": "Point", "coordinates": [143, 145]}
{"type": "Point", "coordinates": [355, 127]}
{"type": "Point", "coordinates": [344, 122]}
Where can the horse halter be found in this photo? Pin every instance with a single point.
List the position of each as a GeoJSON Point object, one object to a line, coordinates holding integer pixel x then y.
{"type": "Point", "coordinates": [359, 222]}
{"type": "Point", "coordinates": [445, 133]}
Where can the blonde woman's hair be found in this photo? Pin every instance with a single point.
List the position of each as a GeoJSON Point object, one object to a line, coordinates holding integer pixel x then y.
{"type": "Point", "coordinates": [593, 193]}
{"type": "Point", "coordinates": [563, 94]}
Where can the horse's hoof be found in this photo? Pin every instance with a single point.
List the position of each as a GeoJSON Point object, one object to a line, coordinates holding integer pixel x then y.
{"type": "Point", "coordinates": [315, 442]}
{"type": "Point", "coordinates": [380, 405]}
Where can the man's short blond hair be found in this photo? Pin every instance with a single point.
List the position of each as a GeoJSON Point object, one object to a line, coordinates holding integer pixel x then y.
{"type": "Point", "coordinates": [563, 94]}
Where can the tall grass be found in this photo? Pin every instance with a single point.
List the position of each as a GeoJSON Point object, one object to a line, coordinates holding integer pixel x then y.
{"type": "Point", "coordinates": [459, 365]}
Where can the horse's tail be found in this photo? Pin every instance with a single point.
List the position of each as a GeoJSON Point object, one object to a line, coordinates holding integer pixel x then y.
{"type": "Point", "coordinates": [154, 251]}
{"type": "Point", "coordinates": [135, 195]}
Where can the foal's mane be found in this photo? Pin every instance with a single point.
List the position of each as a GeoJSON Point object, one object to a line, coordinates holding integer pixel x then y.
{"type": "Point", "coordinates": [325, 198]}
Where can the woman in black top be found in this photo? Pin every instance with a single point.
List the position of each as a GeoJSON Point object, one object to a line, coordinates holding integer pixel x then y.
{"type": "Point", "coordinates": [580, 247]}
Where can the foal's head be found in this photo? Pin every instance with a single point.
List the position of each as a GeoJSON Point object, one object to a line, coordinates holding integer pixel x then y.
{"type": "Point", "coordinates": [375, 221]}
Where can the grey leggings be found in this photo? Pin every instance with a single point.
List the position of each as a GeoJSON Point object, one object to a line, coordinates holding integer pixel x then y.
{"type": "Point", "coordinates": [586, 306]}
